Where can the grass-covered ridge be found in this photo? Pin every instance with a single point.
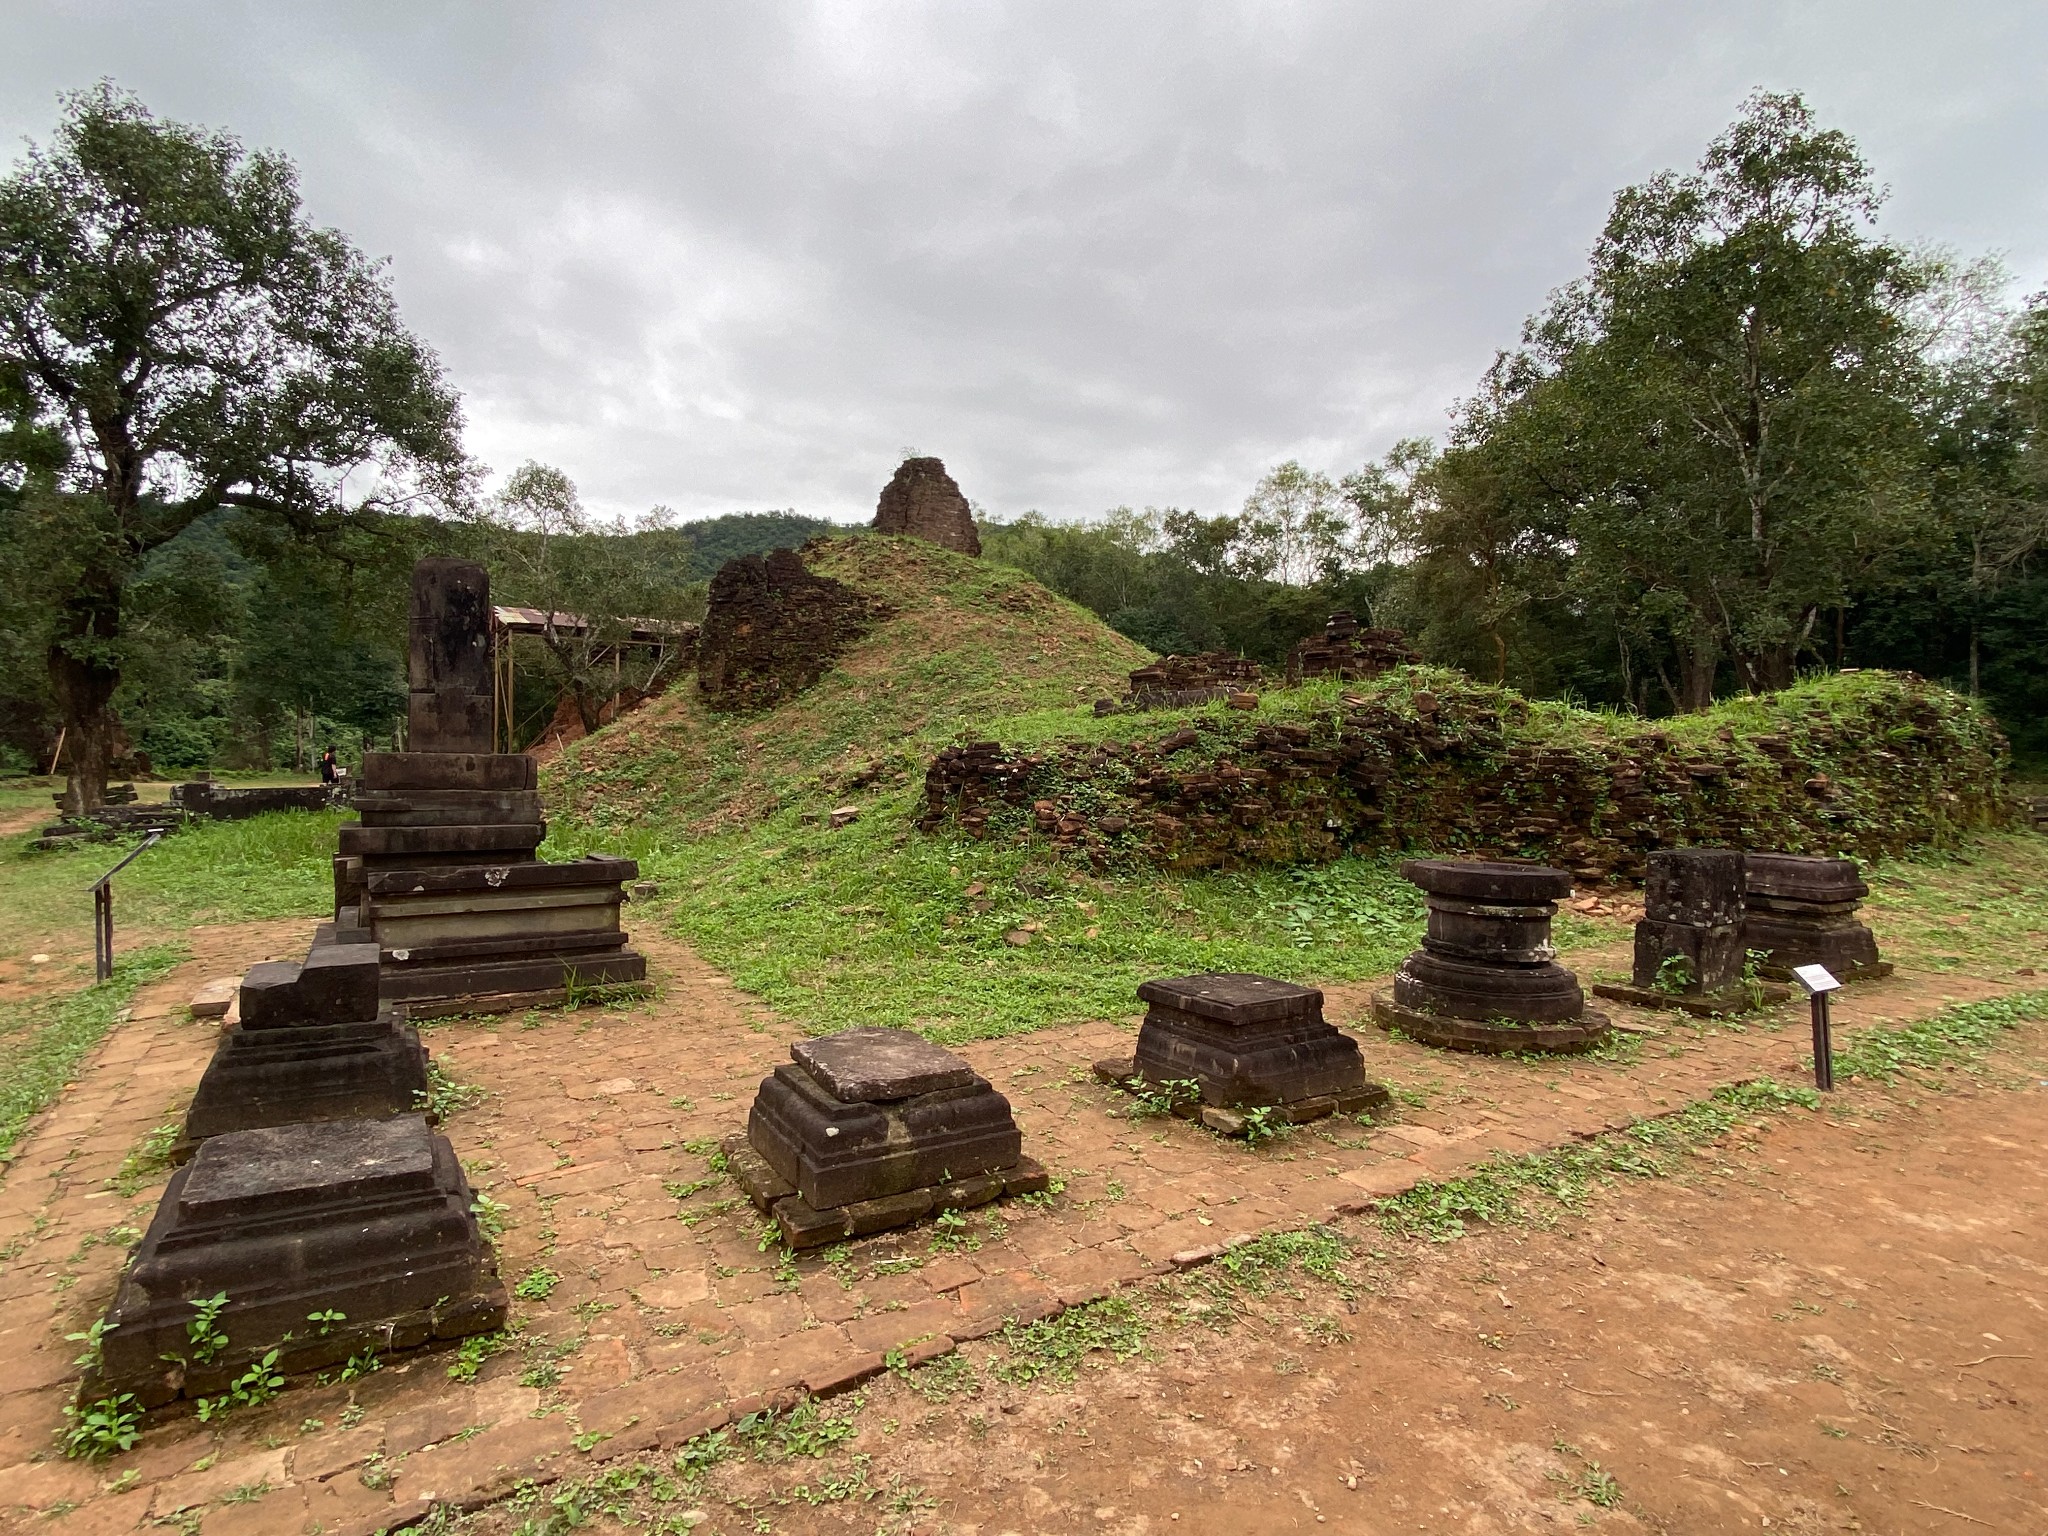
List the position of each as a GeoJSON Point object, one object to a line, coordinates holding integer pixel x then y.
{"type": "Point", "coordinates": [965, 641]}
{"type": "Point", "coordinates": [1863, 763]}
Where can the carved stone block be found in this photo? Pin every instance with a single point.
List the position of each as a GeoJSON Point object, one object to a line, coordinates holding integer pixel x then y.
{"type": "Point", "coordinates": [1247, 1041]}
{"type": "Point", "coordinates": [881, 1127]}
{"type": "Point", "coordinates": [367, 1219]}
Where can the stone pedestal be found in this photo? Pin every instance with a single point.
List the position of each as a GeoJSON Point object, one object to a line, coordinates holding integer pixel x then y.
{"type": "Point", "coordinates": [872, 1129]}
{"type": "Point", "coordinates": [1689, 952]}
{"type": "Point", "coordinates": [311, 1043]}
{"type": "Point", "coordinates": [1486, 977]}
{"type": "Point", "coordinates": [440, 872]}
{"type": "Point", "coordinates": [1802, 911]}
{"type": "Point", "coordinates": [369, 1219]}
{"type": "Point", "coordinates": [1245, 1043]}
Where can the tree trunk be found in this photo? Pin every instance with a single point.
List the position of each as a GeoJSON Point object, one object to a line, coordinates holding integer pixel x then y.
{"type": "Point", "coordinates": [84, 676]}
{"type": "Point", "coordinates": [589, 707]}
{"type": "Point", "coordinates": [1772, 668]}
{"type": "Point", "coordinates": [1696, 666]}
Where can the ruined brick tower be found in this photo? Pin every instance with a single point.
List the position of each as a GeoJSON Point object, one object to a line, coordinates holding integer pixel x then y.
{"type": "Point", "coordinates": [922, 501]}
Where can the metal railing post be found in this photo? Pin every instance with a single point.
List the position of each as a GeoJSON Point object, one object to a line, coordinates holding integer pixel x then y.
{"type": "Point", "coordinates": [103, 910]}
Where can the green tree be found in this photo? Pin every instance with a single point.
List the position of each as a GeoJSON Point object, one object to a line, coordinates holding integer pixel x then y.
{"type": "Point", "coordinates": [1294, 527]}
{"type": "Point", "coordinates": [1716, 425]}
{"type": "Point", "coordinates": [176, 336]}
{"type": "Point", "coordinates": [593, 585]}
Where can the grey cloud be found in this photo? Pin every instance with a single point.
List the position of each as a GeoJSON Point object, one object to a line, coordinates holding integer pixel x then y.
{"type": "Point", "coordinates": [738, 255]}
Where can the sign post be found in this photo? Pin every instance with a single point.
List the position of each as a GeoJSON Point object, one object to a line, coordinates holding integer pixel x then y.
{"type": "Point", "coordinates": [1819, 983]}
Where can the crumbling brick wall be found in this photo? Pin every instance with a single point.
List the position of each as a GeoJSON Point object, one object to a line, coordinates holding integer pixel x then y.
{"type": "Point", "coordinates": [772, 628]}
{"type": "Point", "coordinates": [922, 501]}
{"type": "Point", "coordinates": [1348, 652]}
{"type": "Point", "coordinates": [1174, 682]}
{"type": "Point", "coordinates": [1431, 760]}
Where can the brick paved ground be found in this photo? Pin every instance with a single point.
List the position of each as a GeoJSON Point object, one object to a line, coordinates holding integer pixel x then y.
{"type": "Point", "coordinates": [669, 1318]}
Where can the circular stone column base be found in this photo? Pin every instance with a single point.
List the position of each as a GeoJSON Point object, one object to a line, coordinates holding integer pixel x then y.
{"type": "Point", "coordinates": [1559, 1037]}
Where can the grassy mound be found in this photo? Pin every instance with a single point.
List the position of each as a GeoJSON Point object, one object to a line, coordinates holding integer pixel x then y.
{"type": "Point", "coordinates": [966, 641]}
{"type": "Point", "coordinates": [877, 923]}
{"type": "Point", "coordinates": [1870, 764]}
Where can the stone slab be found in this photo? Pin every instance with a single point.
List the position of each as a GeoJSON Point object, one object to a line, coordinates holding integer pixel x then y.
{"type": "Point", "coordinates": [481, 839]}
{"type": "Point", "coordinates": [477, 980]}
{"type": "Point", "coordinates": [593, 869]}
{"type": "Point", "coordinates": [1801, 878]}
{"type": "Point", "coordinates": [212, 1000]}
{"type": "Point", "coordinates": [399, 771]}
{"type": "Point", "coordinates": [1234, 998]}
{"type": "Point", "coordinates": [866, 1066]}
{"type": "Point", "coordinates": [1558, 1038]}
{"type": "Point", "coordinates": [447, 807]}
{"type": "Point", "coordinates": [1495, 880]}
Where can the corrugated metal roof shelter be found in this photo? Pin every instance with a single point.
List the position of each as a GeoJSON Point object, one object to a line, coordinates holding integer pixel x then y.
{"type": "Point", "coordinates": [509, 620]}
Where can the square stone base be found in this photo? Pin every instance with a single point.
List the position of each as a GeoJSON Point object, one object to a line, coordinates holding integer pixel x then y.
{"type": "Point", "coordinates": [369, 1070]}
{"type": "Point", "coordinates": [805, 1226]}
{"type": "Point", "coordinates": [367, 1219]}
{"type": "Point", "coordinates": [1233, 1119]}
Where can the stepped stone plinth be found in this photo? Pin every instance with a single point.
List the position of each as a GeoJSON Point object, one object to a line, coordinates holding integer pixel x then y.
{"type": "Point", "coordinates": [440, 872]}
{"type": "Point", "coordinates": [1244, 1043]}
{"type": "Point", "coordinates": [369, 1219]}
{"type": "Point", "coordinates": [872, 1129]}
{"type": "Point", "coordinates": [1688, 948]}
{"type": "Point", "coordinates": [1487, 977]}
{"type": "Point", "coordinates": [1802, 911]}
{"type": "Point", "coordinates": [311, 1043]}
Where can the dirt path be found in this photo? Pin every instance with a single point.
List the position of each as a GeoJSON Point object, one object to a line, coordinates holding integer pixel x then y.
{"type": "Point", "coordinates": [1836, 1324]}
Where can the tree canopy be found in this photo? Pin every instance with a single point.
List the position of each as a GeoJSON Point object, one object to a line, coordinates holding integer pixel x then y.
{"type": "Point", "coordinates": [176, 336]}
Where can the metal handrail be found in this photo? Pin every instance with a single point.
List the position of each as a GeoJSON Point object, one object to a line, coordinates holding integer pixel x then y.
{"type": "Point", "coordinates": [103, 908]}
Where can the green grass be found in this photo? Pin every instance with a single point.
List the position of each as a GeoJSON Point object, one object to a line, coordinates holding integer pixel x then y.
{"type": "Point", "coordinates": [1958, 1036]}
{"type": "Point", "coordinates": [874, 924]}
{"type": "Point", "coordinates": [1052, 1349]}
{"type": "Point", "coordinates": [960, 641]}
{"type": "Point", "coordinates": [1981, 910]}
{"type": "Point", "coordinates": [41, 1041]}
{"type": "Point", "coordinates": [1533, 1190]}
{"type": "Point", "coordinates": [276, 865]}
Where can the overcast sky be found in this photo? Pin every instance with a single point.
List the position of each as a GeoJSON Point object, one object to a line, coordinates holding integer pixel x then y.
{"type": "Point", "coordinates": [739, 256]}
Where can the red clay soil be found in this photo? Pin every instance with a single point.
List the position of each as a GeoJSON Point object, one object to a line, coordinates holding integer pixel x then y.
{"type": "Point", "coordinates": [1836, 1324]}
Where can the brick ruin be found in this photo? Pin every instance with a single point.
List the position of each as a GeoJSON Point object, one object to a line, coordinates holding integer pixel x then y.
{"type": "Point", "coordinates": [1455, 768]}
{"type": "Point", "coordinates": [922, 501]}
{"type": "Point", "coordinates": [1174, 682]}
{"type": "Point", "coordinates": [1348, 652]}
{"type": "Point", "coordinates": [772, 628]}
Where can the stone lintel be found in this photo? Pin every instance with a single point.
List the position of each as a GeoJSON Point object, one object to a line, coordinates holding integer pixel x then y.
{"type": "Point", "coordinates": [593, 869]}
